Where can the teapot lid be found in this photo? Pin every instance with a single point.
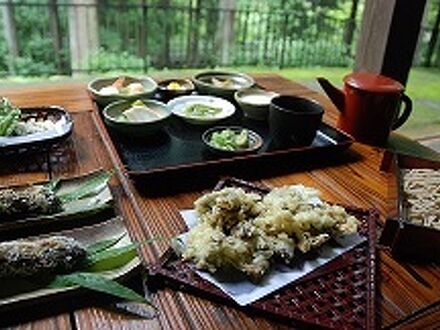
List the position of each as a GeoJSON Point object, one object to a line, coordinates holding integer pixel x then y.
{"type": "Point", "coordinates": [373, 82]}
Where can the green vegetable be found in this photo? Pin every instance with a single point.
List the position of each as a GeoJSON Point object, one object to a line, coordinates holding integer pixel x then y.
{"type": "Point", "coordinates": [53, 184]}
{"type": "Point", "coordinates": [9, 117]}
{"type": "Point", "coordinates": [89, 188]}
{"type": "Point", "coordinates": [201, 110]}
{"type": "Point", "coordinates": [99, 283]}
{"type": "Point", "coordinates": [138, 103]}
{"type": "Point", "coordinates": [228, 139]}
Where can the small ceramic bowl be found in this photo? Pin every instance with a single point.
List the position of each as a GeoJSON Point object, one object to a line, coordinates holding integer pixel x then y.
{"type": "Point", "coordinates": [254, 102]}
{"type": "Point", "coordinates": [222, 84]}
{"type": "Point", "coordinates": [167, 92]}
{"type": "Point", "coordinates": [179, 105]}
{"type": "Point", "coordinates": [95, 89]}
{"type": "Point", "coordinates": [255, 140]}
{"type": "Point", "coordinates": [113, 111]}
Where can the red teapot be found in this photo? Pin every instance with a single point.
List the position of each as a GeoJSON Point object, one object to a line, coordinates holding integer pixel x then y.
{"type": "Point", "coordinates": [369, 106]}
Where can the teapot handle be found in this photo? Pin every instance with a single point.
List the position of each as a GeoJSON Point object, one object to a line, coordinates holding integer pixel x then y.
{"type": "Point", "coordinates": [405, 114]}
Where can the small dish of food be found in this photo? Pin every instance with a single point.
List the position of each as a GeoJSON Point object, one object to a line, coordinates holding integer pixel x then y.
{"type": "Point", "coordinates": [232, 140]}
{"type": "Point", "coordinates": [28, 128]}
{"type": "Point", "coordinates": [140, 118]}
{"type": "Point", "coordinates": [201, 109]}
{"type": "Point", "coordinates": [107, 90]}
{"type": "Point", "coordinates": [254, 102]}
{"type": "Point", "coordinates": [223, 84]}
{"type": "Point", "coordinates": [55, 268]}
{"type": "Point", "coordinates": [172, 88]}
{"type": "Point", "coordinates": [53, 203]}
{"type": "Point", "coordinates": [412, 228]}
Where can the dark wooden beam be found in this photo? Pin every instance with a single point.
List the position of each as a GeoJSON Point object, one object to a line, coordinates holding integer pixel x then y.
{"type": "Point", "coordinates": [389, 35]}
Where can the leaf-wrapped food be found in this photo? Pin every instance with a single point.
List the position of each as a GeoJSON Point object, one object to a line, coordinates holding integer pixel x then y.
{"type": "Point", "coordinates": [30, 258]}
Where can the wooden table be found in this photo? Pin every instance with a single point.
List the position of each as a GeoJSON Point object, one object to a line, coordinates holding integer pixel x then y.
{"type": "Point", "coordinates": [408, 295]}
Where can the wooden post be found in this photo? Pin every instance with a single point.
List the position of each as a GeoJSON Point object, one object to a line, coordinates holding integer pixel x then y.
{"type": "Point", "coordinates": [226, 30]}
{"type": "Point", "coordinates": [389, 36]}
{"type": "Point", "coordinates": [83, 33]}
{"type": "Point", "coordinates": [10, 34]}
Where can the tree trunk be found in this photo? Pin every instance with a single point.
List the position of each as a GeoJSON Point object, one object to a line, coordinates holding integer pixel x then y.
{"type": "Point", "coordinates": [225, 30]}
{"type": "Point", "coordinates": [143, 35]}
{"type": "Point", "coordinates": [189, 35]}
{"type": "Point", "coordinates": [437, 59]}
{"type": "Point", "coordinates": [195, 35]}
{"type": "Point", "coordinates": [83, 33]}
{"type": "Point", "coordinates": [55, 29]}
{"type": "Point", "coordinates": [165, 58]}
{"type": "Point", "coordinates": [10, 34]}
{"type": "Point", "coordinates": [433, 39]}
{"type": "Point", "coordinates": [351, 27]}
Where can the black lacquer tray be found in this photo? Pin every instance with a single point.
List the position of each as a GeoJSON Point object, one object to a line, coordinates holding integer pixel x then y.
{"type": "Point", "coordinates": [179, 149]}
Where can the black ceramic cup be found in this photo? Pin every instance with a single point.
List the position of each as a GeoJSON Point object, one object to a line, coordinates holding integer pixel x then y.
{"type": "Point", "coordinates": [293, 120]}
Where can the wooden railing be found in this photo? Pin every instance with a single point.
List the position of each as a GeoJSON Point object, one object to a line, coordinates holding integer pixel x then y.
{"type": "Point", "coordinates": [61, 37]}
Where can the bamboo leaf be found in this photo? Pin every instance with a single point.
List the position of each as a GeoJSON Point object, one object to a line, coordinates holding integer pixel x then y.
{"type": "Point", "coordinates": [103, 245]}
{"type": "Point", "coordinates": [108, 259]}
{"type": "Point", "coordinates": [89, 188]}
{"type": "Point", "coordinates": [53, 184]}
{"type": "Point", "coordinates": [111, 259]}
{"type": "Point", "coordinates": [98, 283]}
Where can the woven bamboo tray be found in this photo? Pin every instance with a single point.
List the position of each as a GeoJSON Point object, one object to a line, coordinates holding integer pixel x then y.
{"type": "Point", "coordinates": [339, 294]}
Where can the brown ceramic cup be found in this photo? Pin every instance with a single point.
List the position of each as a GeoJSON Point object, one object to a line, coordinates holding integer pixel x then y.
{"type": "Point", "coordinates": [293, 120]}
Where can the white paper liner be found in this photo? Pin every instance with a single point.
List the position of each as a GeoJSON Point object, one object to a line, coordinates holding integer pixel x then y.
{"type": "Point", "coordinates": [245, 292]}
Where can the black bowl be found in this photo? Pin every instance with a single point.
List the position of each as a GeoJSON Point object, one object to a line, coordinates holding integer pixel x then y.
{"type": "Point", "coordinates": [293, 120]}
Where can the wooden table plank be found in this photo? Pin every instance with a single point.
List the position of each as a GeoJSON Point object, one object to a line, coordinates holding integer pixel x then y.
{"type": "Point", "coordinates": [70, 95]}
{"type": "Point", "coordinates": [60, 322]}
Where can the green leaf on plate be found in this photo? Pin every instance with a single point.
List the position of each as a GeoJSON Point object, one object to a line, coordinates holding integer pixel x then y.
{"type": "Point", "coordinates": [111, 258]}
{"type": "Point", "coordinates": [108, 259]}
{"type": "Point", "coordinates": [90, 187]}
{"type": "Point", "coordinates": [103, 245]}
{"type": "Point", "coordinates": [98, 283]}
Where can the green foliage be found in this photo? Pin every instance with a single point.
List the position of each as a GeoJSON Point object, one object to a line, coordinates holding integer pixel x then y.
{"type": "Point", "coordinates": [27, 66]}
{"type": "Point", "coordinates": [178, 33]}
{"type": "Point", "coordinates": [106, 61]}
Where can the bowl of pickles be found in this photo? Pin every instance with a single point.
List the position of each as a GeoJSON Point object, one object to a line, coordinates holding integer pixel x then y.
{"type": "Point", "coordinates": [232, 140]}
{"type": "Point", "coordinates": [201, 109]}
{"type": "Point", "coordinates": [171, 88]}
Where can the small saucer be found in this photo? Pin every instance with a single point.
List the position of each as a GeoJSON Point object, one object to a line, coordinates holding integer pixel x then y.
{"type": "Point", "coordinates": [255, 140]}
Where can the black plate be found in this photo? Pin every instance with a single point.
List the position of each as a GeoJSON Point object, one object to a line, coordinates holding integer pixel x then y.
{"type": "Point", "coordinates": [42, 140]}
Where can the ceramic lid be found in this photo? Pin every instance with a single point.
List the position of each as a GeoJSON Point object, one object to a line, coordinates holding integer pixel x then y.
{"type": "Point", "coordinates": [373, 82]}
